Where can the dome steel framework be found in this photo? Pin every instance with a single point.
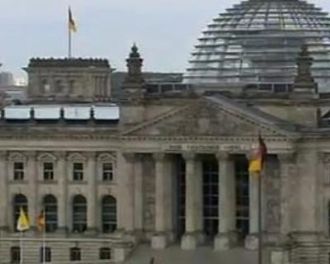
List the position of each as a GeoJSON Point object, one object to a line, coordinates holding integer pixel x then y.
{"type": "Point", "coordinates": [257, 41]}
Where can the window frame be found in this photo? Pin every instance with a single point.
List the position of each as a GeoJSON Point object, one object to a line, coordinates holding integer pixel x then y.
{"type": "Point", "coordinates": [75, 254]}
{"type": "Point", "coordinates": [47, 254]}
{"type": "Point", "coordinates": [15, 255]}
{"type": "Point", "coordinates": [48, 174]}
{"type": "Point", "coordinates": [107, 173]}
{"type": "Point", "coordinates": [78, 173]}
{"type": "Point", "coordinates": [105, 253]}
{"type": "Point", "coordinates": [79, 226]}
{"type": "Point", "coordinates": [18, 173]}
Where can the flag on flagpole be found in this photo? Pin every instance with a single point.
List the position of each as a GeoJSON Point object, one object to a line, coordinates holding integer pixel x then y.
{"type": "Point", "coordinates": [258, 156]}
{"type": "Point", "coordinates": [41, 221]}
{"type": "Point", "coordinates": [23, 222]}
{"type": "Point", "coordinates": [71, 23]}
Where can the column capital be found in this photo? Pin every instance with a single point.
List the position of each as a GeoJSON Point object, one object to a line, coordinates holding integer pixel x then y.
{"type": "Point", "coordinates": [189, 156]}
{"type": "Point", "coordinates": [60, 154]}
{"type": "Point", "coordinates": [90, 154]}
{"type": "Point", "coordinates": [324, 157]}
{"type": "Point", "coordinates": [223, 155]}
{"type": "Point", "coordinates": [159, 156]}
{"type": "Point", "coordinates": [31, 154]}
{"type": "Point", "coordinates": [129, 156]}
{"type": "Point", "coordinates": [287, 157]}
{"type": "Point", "coordinates": [3, 154]}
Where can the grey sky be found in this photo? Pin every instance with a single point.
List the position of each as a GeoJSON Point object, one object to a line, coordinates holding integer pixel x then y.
{"type": "Point", "coordinates": [165, 30]}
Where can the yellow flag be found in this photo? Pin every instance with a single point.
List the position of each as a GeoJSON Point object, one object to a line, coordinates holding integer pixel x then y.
{"type": "Point", "coordinates": [23, 221]}
{"type": "Point", "coordinates": [71, 22]}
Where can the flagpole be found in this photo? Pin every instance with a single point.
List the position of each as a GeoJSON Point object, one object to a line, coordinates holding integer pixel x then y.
{"type": "Point", "coordinates": [44, 245]}
{"type": "Point", "coordinates": [21, 247]}
{"type": "Point", "coordinates": [260, 217]}
{"type": "Point", "coordinates": [69, 39]}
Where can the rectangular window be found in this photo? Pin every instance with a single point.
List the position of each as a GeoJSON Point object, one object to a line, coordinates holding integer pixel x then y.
{"type": "Point", "coordinates": [48, 171]}
{"type": "Point", "coordinates": [107, 172]}
{"type": "Point", "coordinates": [18, 171]}
{"type": "Point", "coordinates": [75, 254]}
{"type": "Point", "coordinates": [15, 255]}
{"type": "Point", "coordinates": [78, 171]}
{"type": "Point", "coordinates": [45, 254]}
{"type": "Point", "coordinates": [105, 253]}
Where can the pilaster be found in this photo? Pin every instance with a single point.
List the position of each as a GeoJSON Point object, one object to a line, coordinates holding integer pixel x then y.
{"type": "Point", "coordinates": [126, 191]}
{"type": "Point", "coordinates": [32, 177]}
{"type": "Point", "coordinates": [61, 173]}
{"type": "Point", "coordinates": [286, 162]}
{"type": "Point", "coordinates": [92, 207]}
{"type": "Point", "coordinates": [4, 199]}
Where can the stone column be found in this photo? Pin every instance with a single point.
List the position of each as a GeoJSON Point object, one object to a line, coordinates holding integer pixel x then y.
{"type": "Point", "coordinates": [251, 241]}
{"type": "Point", "coordinates": [163, 219]}
{"type": "Point", "coordinates": [63, 201]}
{"type": "Point", "coordinates": [91, 196]}
{"type": "Point", "coordinates": [4, 199]}
{"type": "Point", "coordinates": [126, 192]}
{"type": "Point", "coordinates": [138, 193]}
{"type": "Point", "coordinates": [32, 177]}
{"type": "Point", "coordinates": [227, 203]}
{"type": "Point", "coordinates": [194, 203]}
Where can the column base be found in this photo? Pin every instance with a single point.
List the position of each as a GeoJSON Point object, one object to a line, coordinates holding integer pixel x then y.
{"type": "Point", "coordinates": [279, 257]}
{"type": "Point", "coordinates": [160, 240]}
{"type": "Point", "coordinates": [91, 231]}
{"type": "Point", "coordinates": [62, 231]}
{"type": "Point", "coordinates": [190, 241]}
{"type": "Point", "coordinates": [225, 241]}
{"type": "Point", "coordinates": [251, 242]}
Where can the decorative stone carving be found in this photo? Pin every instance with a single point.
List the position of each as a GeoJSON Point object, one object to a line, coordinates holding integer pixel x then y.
{"type": "Point", "coordinates": [77, 157]}
{"type": "Point", "coordinates": [189, 156]}
{"type": "Point", "coordinates": [203, 119]}
{"type": "Point", "coordinates": [272, 195]}
{"type": "Point", "coordinates": [223, 156]}
{"type": "Point", "coordinates": [46, 157]}
{"type": "Point", "coordinates": [17, 156]}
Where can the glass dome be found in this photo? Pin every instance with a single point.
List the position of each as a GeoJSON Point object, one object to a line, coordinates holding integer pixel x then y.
{"type": "Point", "coordinates": [257, 41]}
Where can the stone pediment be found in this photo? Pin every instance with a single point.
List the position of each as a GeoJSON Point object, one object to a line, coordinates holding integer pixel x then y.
{"type": "Point", "coordinates": [209, 117]}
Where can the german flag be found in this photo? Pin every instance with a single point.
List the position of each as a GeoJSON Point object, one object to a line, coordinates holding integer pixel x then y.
{"type": "Point", "coordinates": [71, 22]}
{"type": "Point", "coordinates": [41, 221]}
{"type": "Point", "coordinates": [258, 156]}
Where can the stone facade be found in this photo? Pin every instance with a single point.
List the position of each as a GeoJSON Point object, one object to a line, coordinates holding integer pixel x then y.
{"type": "Point", "coordinates": [175, 170]}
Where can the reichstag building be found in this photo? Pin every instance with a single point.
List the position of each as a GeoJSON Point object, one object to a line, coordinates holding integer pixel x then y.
{"type": "Point", "coordinates": [165, 163]}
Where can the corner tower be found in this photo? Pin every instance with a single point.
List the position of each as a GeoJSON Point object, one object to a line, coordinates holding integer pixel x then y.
{"type": "Point", "coordinates": [69, 80]}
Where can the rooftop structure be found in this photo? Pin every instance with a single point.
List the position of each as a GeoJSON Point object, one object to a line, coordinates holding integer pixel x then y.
{"type": "Point", "coordinates": [258, 41]}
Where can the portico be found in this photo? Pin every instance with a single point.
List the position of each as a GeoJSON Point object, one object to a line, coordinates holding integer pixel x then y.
{"type": "Point", "coordinates": [201, 198]}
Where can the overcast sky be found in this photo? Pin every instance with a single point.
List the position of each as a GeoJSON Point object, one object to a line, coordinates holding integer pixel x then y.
{"type": "Point", "coordinates": [164, 30]}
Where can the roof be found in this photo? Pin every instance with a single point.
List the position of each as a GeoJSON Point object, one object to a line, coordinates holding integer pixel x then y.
{"type": "Point", "coordinates": [108, 112]}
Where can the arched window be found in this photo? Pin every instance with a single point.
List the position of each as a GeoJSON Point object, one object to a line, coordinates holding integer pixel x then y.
{"type": "Point", "coordinates": [20, 201]}
{"type": "Point", "coordinates": [109, 214]}
{"type": "Point", "coordinates": [50, 209]}
{"type": "Point", "coordinates": [79, 214]}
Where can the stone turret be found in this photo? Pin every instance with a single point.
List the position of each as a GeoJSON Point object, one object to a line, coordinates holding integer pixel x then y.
{"type": "Point", "coordinates": [134, 84]}
{"type": "Point", "coordinates": [304, 82]}
{"type": "Point", "coordinates": [69, 80]}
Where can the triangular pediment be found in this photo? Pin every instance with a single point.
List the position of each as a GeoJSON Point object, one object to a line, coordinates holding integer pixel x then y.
{"type": "Point", "coordinates": [210, 117]}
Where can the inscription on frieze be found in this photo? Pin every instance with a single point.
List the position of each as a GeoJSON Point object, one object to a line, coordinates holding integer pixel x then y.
{"type": "Point", "coordinates": [206, 148]}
